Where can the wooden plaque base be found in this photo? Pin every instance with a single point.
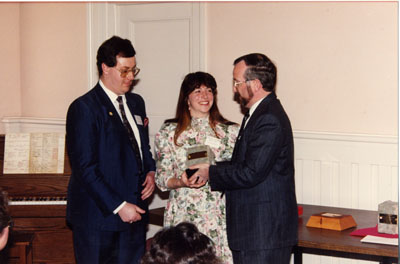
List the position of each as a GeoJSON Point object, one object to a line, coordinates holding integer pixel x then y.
{"type": "Point", "coordinates": [331, 221]}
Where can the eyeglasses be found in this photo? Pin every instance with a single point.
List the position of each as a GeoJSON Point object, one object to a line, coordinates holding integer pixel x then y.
{"type": "Point", "coordinates": [135, 71]}
{"type": "Point", "coordinates": [236, 84]}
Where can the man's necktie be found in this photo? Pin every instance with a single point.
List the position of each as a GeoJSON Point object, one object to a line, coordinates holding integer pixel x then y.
{"type": "Point", "coordinates": [132, 138]}
{"type": "Point", "coordinates": [246, 116]}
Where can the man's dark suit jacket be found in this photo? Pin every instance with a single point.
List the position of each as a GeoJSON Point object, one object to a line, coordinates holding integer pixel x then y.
{"type": "Point", "coordinates": [261, 207]}
{"type": "Point", "coordinates": [104, 169]}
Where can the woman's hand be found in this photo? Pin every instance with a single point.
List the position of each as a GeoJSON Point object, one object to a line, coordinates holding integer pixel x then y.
{"type": "Point", "coordinates": [193, 182]}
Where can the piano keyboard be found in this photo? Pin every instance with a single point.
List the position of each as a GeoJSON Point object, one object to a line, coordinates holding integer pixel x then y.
{"type": "Point", "coordinates": [37, 201]}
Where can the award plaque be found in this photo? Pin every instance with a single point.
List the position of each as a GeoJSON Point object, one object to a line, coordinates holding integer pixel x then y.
{"type": "Point", "coordinates": [199, 154]}
{"type": "Point", "coordinates": [387, 218]}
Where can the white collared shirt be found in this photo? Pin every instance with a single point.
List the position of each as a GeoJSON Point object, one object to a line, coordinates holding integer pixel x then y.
{"type": "Point", "coordinates": [253, 108]}
{"type": "Point", "coordinates": [113, 97]}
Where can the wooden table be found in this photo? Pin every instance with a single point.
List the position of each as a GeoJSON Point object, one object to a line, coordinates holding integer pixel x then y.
{"type": "Point", "coordinates": [340, 243]}
{"type": "Point", "coordinates": [328, 242]}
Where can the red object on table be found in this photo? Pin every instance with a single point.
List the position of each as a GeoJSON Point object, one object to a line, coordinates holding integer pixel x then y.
{"type": "Point", "coordinates": [373, 231]}
{"type": "Point", "coordinates": [300, 210]}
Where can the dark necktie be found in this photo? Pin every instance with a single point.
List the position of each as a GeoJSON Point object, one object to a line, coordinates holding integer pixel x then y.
{"type": "Point", "coordinates": [246, 116]}
{"type": "Point", "coordinates": [132, 138]}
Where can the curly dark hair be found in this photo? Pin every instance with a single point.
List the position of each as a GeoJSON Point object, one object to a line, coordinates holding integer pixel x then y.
{"type": "Point", "coordinates": [5, 217]}
{"type": "Point", "coordinates": [181, 244]}
{"type": "Point", "coordinates": [110, 49]}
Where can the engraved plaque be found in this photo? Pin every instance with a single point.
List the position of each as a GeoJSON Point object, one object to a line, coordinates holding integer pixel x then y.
{"type": "Point", "coordinates": [199, 154]}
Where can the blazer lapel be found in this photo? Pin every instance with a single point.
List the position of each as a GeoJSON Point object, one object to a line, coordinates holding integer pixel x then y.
{"type": "Point", "coordinates": [108, 107]}
{"type": "Point", "coordinates": [259, 110]}
{"type": "Point", "coordinates": [132, 108]}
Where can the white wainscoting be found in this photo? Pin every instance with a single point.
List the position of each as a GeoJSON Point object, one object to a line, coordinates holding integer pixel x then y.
{"type": "Point", "coordinates": [341, 170]}
{"type": "Point", "coordinates": [352, 171]}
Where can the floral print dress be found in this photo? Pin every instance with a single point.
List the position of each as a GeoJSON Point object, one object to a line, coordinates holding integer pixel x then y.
{"type": "Point", "coordinates": [202, 207]}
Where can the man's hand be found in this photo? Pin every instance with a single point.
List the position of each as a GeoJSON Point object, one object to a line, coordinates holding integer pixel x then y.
{"type": "Point", "coordinates": [131, 213]}
{"type": "Point", "coordinates": [149, 185]}
{"type": "Point", "coordinates": [201, 176]}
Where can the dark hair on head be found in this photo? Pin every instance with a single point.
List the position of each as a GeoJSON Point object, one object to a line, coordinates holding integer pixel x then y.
{"type": "Point", "coordinates": [181, 244]}
{"type": "Point", "coordinates": [259, 67]}
{"type": "Point", "coordinates": [5, 217]}
{"type": "Point", "coordinates": [110, 49]}
{"type": "Point", "coordinates": [182, 116]}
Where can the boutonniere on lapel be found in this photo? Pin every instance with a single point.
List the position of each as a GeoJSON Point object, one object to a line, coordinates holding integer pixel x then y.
{"type": "Point", "coordinates": [146, 122]}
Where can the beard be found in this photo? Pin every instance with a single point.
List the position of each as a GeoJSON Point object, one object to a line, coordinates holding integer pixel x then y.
{"type": "Point", "coordinates": [241, 100]}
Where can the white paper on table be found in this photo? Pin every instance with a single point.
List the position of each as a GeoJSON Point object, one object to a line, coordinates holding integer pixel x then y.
{"type": "Point", "coordinates": [380, 240]}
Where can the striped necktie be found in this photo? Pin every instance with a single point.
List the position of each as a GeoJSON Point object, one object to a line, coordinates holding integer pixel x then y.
{"type": "Point", "coordinates": [132, 138]}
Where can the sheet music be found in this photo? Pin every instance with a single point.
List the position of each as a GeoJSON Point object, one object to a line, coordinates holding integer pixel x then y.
{"type": "Point", "coordinates": [34, 153]}
{"type": "Point", "coordinates": [16, 153]}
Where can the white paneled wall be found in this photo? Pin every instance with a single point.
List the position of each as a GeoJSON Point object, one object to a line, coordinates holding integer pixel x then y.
{"type": "Point", "coordinates": [352, 171]}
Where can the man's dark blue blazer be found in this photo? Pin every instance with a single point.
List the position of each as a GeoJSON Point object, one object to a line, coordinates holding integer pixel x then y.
{"type": "Point", "coordinates": [104, 169]}
{"type": "Point", "coordinates": [261, 207]}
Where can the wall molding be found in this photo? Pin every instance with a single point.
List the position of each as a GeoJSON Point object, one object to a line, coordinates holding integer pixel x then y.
{"type": "Point", "coordinates": [33, 124]}
{"type": "Point", "coordinates": [367, 138]}
{"type": "Point", "coordinates": [15, 123]}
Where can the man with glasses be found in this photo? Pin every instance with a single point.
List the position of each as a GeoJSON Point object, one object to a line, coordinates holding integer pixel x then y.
{"type": "Point", "coordinates": [261, 207]}
{"type": "Point", "coordinates": [112, 166]}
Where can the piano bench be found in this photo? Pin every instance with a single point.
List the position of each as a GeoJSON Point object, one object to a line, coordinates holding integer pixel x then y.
{"type": "Point", "coordinates": [20, 247]}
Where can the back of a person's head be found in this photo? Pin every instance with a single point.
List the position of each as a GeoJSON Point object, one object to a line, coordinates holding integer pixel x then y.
{"type": "Point", "coordinates": [182, 244]}
{"type": "Point", "coordinates": [5, 220]}
{"type": "Point", "coordinates": [4, 215]}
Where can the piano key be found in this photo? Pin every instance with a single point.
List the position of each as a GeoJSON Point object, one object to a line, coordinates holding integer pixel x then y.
{"type": "Point", "coordinates": [37, 201]}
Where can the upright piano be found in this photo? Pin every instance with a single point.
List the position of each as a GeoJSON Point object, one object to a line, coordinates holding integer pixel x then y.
{"type": "Point", "coordinates": [37, 205]}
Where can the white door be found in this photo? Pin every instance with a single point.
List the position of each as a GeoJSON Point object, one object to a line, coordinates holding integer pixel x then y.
{"type": "Point", "coordinates": [168, 41]}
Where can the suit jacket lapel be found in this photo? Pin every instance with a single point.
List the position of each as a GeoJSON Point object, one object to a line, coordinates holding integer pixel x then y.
{"type": "Point", "coordinates": [259, 110]}
{"type": "Point", "coordinates": [109, 107]}
{"type": "Point", "coordinates": [132, 108]}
